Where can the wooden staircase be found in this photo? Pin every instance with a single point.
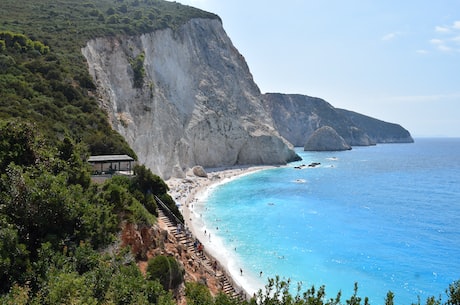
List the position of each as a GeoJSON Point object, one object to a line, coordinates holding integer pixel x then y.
{"type": "Point", "coordinates": [187, 240]}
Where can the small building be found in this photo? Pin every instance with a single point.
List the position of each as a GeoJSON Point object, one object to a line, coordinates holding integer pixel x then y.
{"type": "Point", "coordinates": [111, 164]}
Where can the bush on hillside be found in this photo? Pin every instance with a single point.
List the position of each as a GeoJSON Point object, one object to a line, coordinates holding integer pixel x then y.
{"type": "Point", "coordinates": [166, 270]}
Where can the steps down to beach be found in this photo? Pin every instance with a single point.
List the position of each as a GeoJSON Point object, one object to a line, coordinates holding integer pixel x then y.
{"type": "Point", "coordinates": [209, 264]}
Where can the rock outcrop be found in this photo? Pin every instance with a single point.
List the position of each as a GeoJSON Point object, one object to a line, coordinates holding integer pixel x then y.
{"type": "Point", "coordinates": [199, 171]}
{"type": "Point", "coordinates": [196, 101]}
{"type": "Point", "coordinates": [326, 139]}
{"type": "Point", "coordinates": [297, 116]}
{"type": "Point", "coordinates": [377, 130]}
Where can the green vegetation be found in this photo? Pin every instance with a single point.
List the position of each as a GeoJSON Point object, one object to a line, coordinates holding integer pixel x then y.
{"type": "Point", "coordinates": [43, 75]}
{"type": "Point", "coordinates": [146, 185]}
{"type": "Point", "coordinates": [137, 64]}
{"type": "Point", "coordinates": [166, 270]}
{"type": "Point", "coordinates": [56, 226]}
{"type": "Point", "coordinates": [277, 292]}
{"type": "Point", "coordinates": [59, 231]}
{"type": "Point", "coordinates": [37, 87]}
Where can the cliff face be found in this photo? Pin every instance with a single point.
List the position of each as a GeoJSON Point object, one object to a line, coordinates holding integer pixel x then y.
{"type": "Point", "coordinates": [296, 117]}
{"type": "Point", "coordinates": [196, 104]}
{"type": "Point", "coordinates": [378, 131]}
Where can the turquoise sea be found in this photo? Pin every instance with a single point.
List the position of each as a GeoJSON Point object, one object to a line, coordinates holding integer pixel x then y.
{"type": "Point", "coordinates": [385, 216]}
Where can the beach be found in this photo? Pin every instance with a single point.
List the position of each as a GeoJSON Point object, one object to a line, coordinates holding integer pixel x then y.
{"type": "Point", "coordinates": [191, 192]}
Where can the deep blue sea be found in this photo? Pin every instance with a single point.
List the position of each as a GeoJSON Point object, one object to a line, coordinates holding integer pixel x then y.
{"type": "Point", "coordinates": [385, 216]}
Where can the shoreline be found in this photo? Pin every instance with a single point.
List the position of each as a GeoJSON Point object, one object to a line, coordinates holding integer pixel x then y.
{"type": "Point", "coordinates": [191, 192]}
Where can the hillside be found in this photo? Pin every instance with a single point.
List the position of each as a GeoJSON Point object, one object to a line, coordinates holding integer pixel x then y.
{"type": "Point", "coordinates": [52, 87]}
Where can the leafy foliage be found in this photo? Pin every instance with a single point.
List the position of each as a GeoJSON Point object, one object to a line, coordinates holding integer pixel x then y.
{"type": "Point", "coordinates": [453, 293]}
{"type": "Point", "coordinates": [53, 220]}
{"type": "Point", "coordinates": [137, 65]}
{"type": "Point", "coordinates": [150, 184]}
{"type": "Point", "coordinates": [166, 270]}
{"type": "Point", "coordinates": [43, 75]}
{"type": "Point", "coordinates": [198, 294]}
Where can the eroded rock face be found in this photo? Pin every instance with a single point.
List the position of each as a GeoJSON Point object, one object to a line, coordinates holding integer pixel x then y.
{"type": "Point", "coordinates": [197, 103]}
{"type": "Point", "coordinates": [326, 139]}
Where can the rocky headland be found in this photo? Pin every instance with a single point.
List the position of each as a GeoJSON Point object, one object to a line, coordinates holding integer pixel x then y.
{"type": "Point", "coordinates": [186, 97]}
{"type": "Point", "coordinates": [297, 117]}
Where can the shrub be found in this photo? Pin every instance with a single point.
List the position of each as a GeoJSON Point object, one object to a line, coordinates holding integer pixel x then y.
{"type": "Point", "coordinates": [198, 294]}
{"type": "Point", "coordinates": [166, 270]}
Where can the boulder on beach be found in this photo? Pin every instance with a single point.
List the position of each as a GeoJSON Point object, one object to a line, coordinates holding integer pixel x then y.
{"type": "Point", "coordinates": [326, 139]}
{"type": "Point", "coordinates": [199, 171]}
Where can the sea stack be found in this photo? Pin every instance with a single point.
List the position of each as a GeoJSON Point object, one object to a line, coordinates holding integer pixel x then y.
{"type": "Point", "coordinates": [326, 139]}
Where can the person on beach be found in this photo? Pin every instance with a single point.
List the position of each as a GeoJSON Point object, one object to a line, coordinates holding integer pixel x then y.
{"type": "Point", "coordinates": [214, 266]}
{"type": "Point", "coordinates": [241, 271]}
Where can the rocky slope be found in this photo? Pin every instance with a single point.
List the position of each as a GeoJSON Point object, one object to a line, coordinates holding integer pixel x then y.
{"type": "Point", "coordinates": [197, 103]}
{"type": "Point", "coordinates": [297, 117]}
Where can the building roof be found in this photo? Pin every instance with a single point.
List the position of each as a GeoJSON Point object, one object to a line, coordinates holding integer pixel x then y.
{"type": "Point", "coordinates": [110, 158]}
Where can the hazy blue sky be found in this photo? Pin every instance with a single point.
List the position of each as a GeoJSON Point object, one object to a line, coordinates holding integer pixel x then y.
{"type": "Point", "coordinates": [398, 61]}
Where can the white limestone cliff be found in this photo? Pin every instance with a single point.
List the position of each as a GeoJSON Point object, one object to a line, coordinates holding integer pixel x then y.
{"type": "Point", "coordinates": [198, 104]}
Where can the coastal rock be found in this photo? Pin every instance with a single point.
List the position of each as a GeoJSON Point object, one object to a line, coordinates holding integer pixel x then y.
{"type": "Point", "coordinates": [178, 172]}
{"type": "Point", "coordinates": [377, 130]}
{"type": "Point", "coordinates": [297, 116]}
{"type": "Point", "coordinates": [326, 139]}
{"type": "Point", "coordinates": [196, 103]}
{"type": "Point", "coordinates": [199, 171]}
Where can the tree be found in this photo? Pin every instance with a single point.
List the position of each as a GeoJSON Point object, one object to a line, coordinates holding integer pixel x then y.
{"type": "Point", "coordinates": [198, 294]}
{"type": "Point", "coordinates": [147, 182]}
{"type": "Point", "coordinates": [20, 144]}
{"type": "Point", "coordinates": [166, 270]}
{"type": "Point", "coordinates": [453, 293]}
{"type": "Point", "coordinates": [389, 298]}
{"type": "Point", "coordinates": [14, 257]}
{"type": "Point", "coordinates": [69, 288]}
{"type": "Point", "coordinates": [354, 299]}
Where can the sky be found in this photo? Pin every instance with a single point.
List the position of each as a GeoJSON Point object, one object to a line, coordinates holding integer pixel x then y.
{"type": "Point", "coordinates": [398, 61]}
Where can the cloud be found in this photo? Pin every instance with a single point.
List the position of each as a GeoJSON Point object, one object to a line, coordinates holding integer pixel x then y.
{"type": "Point", "coordinates": [444, 48]}
{"type": "Point", "coordinates": [389, 36]}
{"type": "Point", "coordinates": [422, 51]}
{"type": "Point", "coordinates": [450, 40]}
{"type": "Point", "coordinates": [442, 29]}
{"type": "Point", "coordinates": [448, 28]}
{"type": "Point", "coordinates": [436, 41]}
{"type": "Point", "coordinates": [456, 25]}
{"type": "Point", "coordinates": [440, 45]}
